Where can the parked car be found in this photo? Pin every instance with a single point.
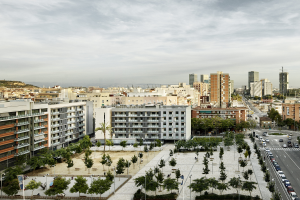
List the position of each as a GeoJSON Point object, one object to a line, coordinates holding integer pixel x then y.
{"type": "Point", "coordinates": [283, 178]}
{"type": "Point", "coordinates": [280, 173]}
{"type": "Point", "coordinates": [290, 189]}
{"type": "Point", "coordinates": [267, 140]}
{"type": "Point", "coordinates": [275, 163]}
{"type": "Point", "coordinates": [277, 167]}
{"type": "Point", "coordinates": [280, 140]}
{"type": "Point", "coordinates": [290, 138]}
{"type": "Point", "coordinates": [296, 145]}
{"type": "Point", "coordinates": [273, 159]}
{"type": "Point", "coordinates": [291, 134]}
{"type": "Point", "coordinates": [287, 183]}
{"type": "Point", "coordinates": [284, 146]}
{"type": "Point", "coordinates": [293, 195]}
{"type": "Point", "coordinates": [265, 133]}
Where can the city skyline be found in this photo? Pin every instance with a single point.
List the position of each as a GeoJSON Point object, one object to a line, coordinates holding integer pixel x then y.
{"type": "Point", "coordinates": [123, 43]}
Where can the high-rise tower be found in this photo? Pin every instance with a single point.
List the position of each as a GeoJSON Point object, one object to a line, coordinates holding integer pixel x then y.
{"type": "Point", "coordinates": [192, 78]}
{"type": "Point", "coordinates": [219, 89]}
{"type": "Point", "coordinates": [252, 77]}
{"type": "Point", "coordinates": [283, 82]}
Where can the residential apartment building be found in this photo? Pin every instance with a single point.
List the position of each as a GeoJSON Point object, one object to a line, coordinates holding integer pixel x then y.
{"type": "Point", "coordinates": [27, 127]}
{"type": "Point", "coordinates": [204, 78]}
{"type": "Point", "coordinates": [252, 77]}
{"type": "Point", "coordinates": [291, 111]}
{"type": "Point", "coordinates": [256, 89]}
{"type": "Point", "coordinates": [193, 78]}
{"type": "Point", "coordinates": [151, 122]}
{"type": "Point", "coordinates": [237, 114]}
{"type": "Point", "coordinates": [231, 86]}
{"type": "Point", "coordinates": [283, 82]}
{"type": "Point", "coordinates": [267, 87]}
{"type": "Point", "coordinates": [219, 89]}
{"type": "Point", "coordinates": [202, 88]}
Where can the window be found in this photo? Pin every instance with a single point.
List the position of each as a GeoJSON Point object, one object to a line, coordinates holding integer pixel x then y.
{"type": "Point", "coordinates": [102, 101]}
{"type": "Point", "coordinates": [288, 111]}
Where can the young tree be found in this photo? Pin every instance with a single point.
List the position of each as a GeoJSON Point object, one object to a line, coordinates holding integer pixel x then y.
{"type": "Point", "coordinates": [85, 143]}
{"type": "Point", "coordinates": [222, 187]}
{"type": "Point", "coordinates": [89, 164]}
{"type": "Point", "coordinates": [211, 151]}
{"type": "Point", "coordinates": [246, 175]}
{"type": "Point", "coordinates": [267, 176]}
{"type": "Point", "coordinates": [109, 143]}
{"type": "Point", "coordinates": [248, 186]}
{"type": "Point", "coordinates": [12, 188]}
{"type": "Point", "coordinates": [221, 153]}
{"type": "Point", "coordinates": [99, 186]}
{"type": "Point", "coordinates": [246, 154]}
{"type": "Point", "coordinates": [276, 196]}
{"type": "Point", "coordinates": [21, 160]}
{"type": "Point", "coordinates": [160, 179]}
{"type": "Point", "coordinates": [240, 150]}
{"type": "Point", "coordinates": [157, 143]}
{"type": "Point", "coordinates": [170, 184]}
{"type": "Point", "coordinates": [109, 176]}
{"type": "Point", "coordinates": [151, 146]}
{"type": "Point", "coordinates": [213, 183]}
{"type": "Point", "coordinates": [250, 172]}
{"type": "Point", "coordinates": [11, 173]}
{"type": "Point", "coordinates": [33, 185]}
{"type": "Point", "coordinates": [235, 183]}
{"type": "Point", "coordinates": [171, 153]}
{"type": "Point", "coordinates": [127, 165]}
{"type": "Point", "coordinates": [146, 150]}
{"type": "Point", "coordinates": [172, 162]}
{"type": "Point", "coordinates": [59, 186]}
{"type": "Point", "coordinates": [141, 142]}
{"type": "Point", "coordinates": [35, 162]}
{"type": "Point", "coordinates": [152, 185]}
{"type": "Point", "coordinates": [162, 164]}
{"type": "Point", "coordinates": [103, 161]}
{"type": "Point", "coordinates": [199, 185]}
{"type": "Point", "coordinates": [135, 145]}
{"type": "Point", "coordinates": [140, 156]}
{"type": "Point", "coordinates": [177, 173]}
{"type": "Point", "coordinates": [223, 176]}
{"type": "Point", "coordinates": [80, 186]}
{"type": "Point", "coordinates": [156, 170]}
{"type": "Point", "coordinates": [222, 167]}
{"type": "Point", "coordinates": [69, 164]}
{"type": "Point", "coordinates": [243, 164]}
{"type": "Point", "coordinates": [103, 128]}
{"type": "Point", "coordinates": [123, 144]}
{"type": "Point", "coordinates": [98, 145]}
{"type": "Point", "coordinates": [134, 160]}
{"type": "Point", "coordinates": [271, 186]}
{"type": "Point", "coordinates": [120, 166]}
{"type": "Point", "coordinates": [108, 161]}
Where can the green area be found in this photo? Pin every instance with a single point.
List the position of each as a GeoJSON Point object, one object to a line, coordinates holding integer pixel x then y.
{"type": "Point", "coordinates": [276, 134]}
{"type": "Point", "coordinates": [226, 196]}
{"type": "Point", "coordinates": [140, 195]}
{"type": "Point", "coordinates": [15, 84]}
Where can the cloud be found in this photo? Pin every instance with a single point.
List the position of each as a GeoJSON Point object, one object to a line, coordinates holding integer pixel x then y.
{"type": "Point", "coordinates": [136, 42]}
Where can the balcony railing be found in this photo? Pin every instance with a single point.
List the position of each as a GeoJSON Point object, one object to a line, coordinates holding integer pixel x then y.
{"type": "Point", "coordinates": [55, 144]}
{"type": "Point", "coordinates": [120, 131]}
{"type": "Point", "coordinates": [55, 138]}
{"type": "Point", "coordinates": [35, 114]}
{"type": "Point", "coordinates": [119, 115]}
{"type": "Point", "coordinates": [82, 135]}
{"type": "Point", "coordinates": [22, 131]}
{"type": "Point", "coordinates": [15, 117]}
{"type": "Point", "coordinates": [38, 127]}
{"type": "Point", "coordinates": [137, 126]}
{"type": "Point", "coordinates": [120, 120]}
{"type": "Point", "coordinates": [137, 131]}
{"type": "Point", "coordinates": [56, 131]}
{"type": "Point", "coordinates": [55, 125]}
{"type": "Point", "coordinates": [71, 116]}
{"type": "Point", "coordinates": [153, 131]}
{"type": "Point", "coordinates": [21, 123]}
{"type": "Point", "coordinates": [38, 141]}
{"type": "Point", "coordinates": [39, 120]}
{"type": "Point", "coordinates": [55, 113]}
{"type": "Point", "coordinates": [21, 138]}
{"type": "Point", "coordinates": [71, 122]}
{"type": "Point", "coordinates": [80, 125]}
{"type": "Point", "coordinates": [81, 114]}
{"type": "Point", "coordinates": [82, 129]}
{"type": "Point", "coordinates": [152, 120]}
{"type": "Point", "coordinates": [153, 126]}
{"type": "Point", "coordinates": [69, 139]}
{"type": "Point", "coordinates": [55, 119]}
{"type": "Point", "coordinates": [118, 126]}
{"type": "Point", "coordinates": [67, 134]}
{"type": "Point", "coordinates": [22, 153]}
{"type": "Point", "coordinates": [69, 111]}
{"type": "Point", "coordinates": [21, 145]}
{"type": "Point", "coordinates": [38, 147]}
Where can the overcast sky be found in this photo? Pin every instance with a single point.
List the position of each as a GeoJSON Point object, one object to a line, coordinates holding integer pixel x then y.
{"type": "Point", "coordinates": [124, 42]}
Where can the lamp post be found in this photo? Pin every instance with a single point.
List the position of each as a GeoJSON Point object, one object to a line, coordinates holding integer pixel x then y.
{"type": "Point", "coordinates": [128, 166]}
{"type": "Point", "coordinates": [190, 188]}
{"type": "Point", "coordinates": [1, 182]}
{"type": "Point", "coordinates": [114, 180]}
{"type": "Point", "coordinates": [46, 181]}
{"type": "Point", "coordinates": [239, 185]}
{"type": "Point", "coordinates": [145, 186]}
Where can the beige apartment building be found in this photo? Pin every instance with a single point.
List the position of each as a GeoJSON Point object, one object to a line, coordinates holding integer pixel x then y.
{"type": "Point", "coordinates": [219, 89]}
{"type": "Point", "coordinates": [291, 110]}
{"type": "Point", "coordinates": [202, 88]}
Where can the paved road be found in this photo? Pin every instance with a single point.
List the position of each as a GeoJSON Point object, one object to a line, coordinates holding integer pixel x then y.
{"type": "Point", "coordinates": [288, 159]}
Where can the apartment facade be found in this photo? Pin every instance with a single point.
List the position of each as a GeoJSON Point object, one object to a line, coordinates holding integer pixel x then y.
{"type": "Point", "coordinates": [256, 89]}
{"type": "Point", "coordinates": [267, 87]}
{"type": "Point", "coordinates": [219, 89]}
{"type": "Point", "coordinates": [252, 77]}
{"type": "Point", "coordinates": [291, 111]}
{"type": "Point", "coordinates": [236, 114]}
{"type": "Point", "coordinates": [204, 78]}
{"type": "Point", "coordinates": [151, 122]}
{"type": "Point", "coordinates": [202, 88]}
{"type": "Point", "coordinates": [283, 82]}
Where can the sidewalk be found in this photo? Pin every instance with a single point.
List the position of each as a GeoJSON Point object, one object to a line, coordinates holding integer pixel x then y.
{"type": "Point", "coordinates": [262, 184]}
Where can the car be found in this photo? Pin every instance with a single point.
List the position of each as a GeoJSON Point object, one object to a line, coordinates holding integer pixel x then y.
{"type": "Point", "coordinates": [283, 178]}
{"type": "Point", "coordinates": [263, 140]}
{"type": "Point", "coordinates": [271, 158]}
{"type": "Point", "coordinates": [293, 195]}
{"type": "Point", "coordinates": [265, 133]}
{"type": "Point", "coordinates": [291, 134]}
{"type": "Point", "coordinates": [284, 146]}
{"type": "Point", "coordinates": [280, 140]}
{"type": "Point", "coordinates": [296, 146]}
{"type": "Point", "coordinates": [280, 173]}
{"type": "Point", "coordinates": [287, 183]}
{"type": "Point", "coordinates": [267, 140]}
{"type": "Point", "coordinates": [290, 138]}
{"type": "Point", "coordinates": [277, 167]}
{"type": "Point", "coordinates": [290, 189]}
{"type": "Point", "coordinates": [267, 150]}
{"type": "Point", "coordinates": [275, 163]}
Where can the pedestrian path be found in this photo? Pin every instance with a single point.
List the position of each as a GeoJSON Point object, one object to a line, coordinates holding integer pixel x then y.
{"type": "Point", "coordinates": [283, 149]}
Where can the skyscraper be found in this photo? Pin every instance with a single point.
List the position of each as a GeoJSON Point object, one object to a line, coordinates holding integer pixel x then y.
{"type": "Point", "coordinates": [204, 78]}
{"type": "Point", "coordinates": [219, 89]}
{"type": "Point", "coordinates": [283, 82]}
{"type": "Point", "coordinates": [193, 78]}
{"type": "Point", "coordinates": [252, 77]}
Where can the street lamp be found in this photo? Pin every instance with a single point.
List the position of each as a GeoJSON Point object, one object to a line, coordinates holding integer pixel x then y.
{"type": "Point", "coordinates": [190, 188]}
{"type": "Point", "coordinates": [46, 181]}
{"type": "Point", "coordinates": [239, 185]}
{"type": "Point", "coordinates": [1, 182]}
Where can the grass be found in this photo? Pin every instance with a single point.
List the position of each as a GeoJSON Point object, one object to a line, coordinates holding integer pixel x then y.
{"type": "Point", "coordinates": [276, 134]}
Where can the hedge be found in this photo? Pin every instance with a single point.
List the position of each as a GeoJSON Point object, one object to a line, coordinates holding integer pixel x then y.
{"type": "Point", "coordinates": [140, 195]}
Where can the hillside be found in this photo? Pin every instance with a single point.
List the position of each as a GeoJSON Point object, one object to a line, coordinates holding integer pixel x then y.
{"type": "Point", "coordinates": [15, 84]}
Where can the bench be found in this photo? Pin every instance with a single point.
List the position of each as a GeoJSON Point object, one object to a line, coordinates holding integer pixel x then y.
{"type": "Point", "coordinates": [77, 169]}
{"type": "Point", "coordinates": [94, 169]}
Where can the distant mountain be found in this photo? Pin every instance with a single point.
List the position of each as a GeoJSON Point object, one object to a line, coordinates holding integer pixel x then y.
{"type": "Point", "coordinates": [15, 84]}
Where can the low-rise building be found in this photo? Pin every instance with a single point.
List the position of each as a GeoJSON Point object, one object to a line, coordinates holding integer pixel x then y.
{"type": "Point", "coordinates": [291, 111]}
{"type": "Point", "coordinates": [265, 122]}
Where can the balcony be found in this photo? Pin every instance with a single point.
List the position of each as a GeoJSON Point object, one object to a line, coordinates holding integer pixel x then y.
{"type": "Point", "coordinates": [55, 125]}
{"type": "Point", "coordinates": [55, 144]}
{"type": "Point", "coordinates": [137, 126]}
{"type": "Point", "coordinates": [21, 138]}
{"type": "Point", "coordinates": [38, 147]}
{"type": "Point", "coordinates": [152, 120]}
{"type": "Point", "coordinates": [80, 125]}
{"type": "Point", "coordinates": [69, 111]}
{"type": "Point", "coordinates": [21, 145]}
{"type": "Point", "coordinates": [38, 141]}
{"type": "Point", "coordinates": [22, 131]}
{"type": "Point", "coordinates": [133, 115]}
{"type": "Point", "coordinates": [38, 127]}
{"type": "Point", "coordinates": [67, 134]}
{"type": "Point", "coordinates": [71, 116]}
{"type": "Point", "coordinates": [82, 135]}
{"type": "Point", "coordinates": [22, 153]}
{"type": "Point", "coordinates": [81, 129]}
{"type": "Point", "coordinates": [54, 113]}
{"type": "Point", "coordinates": [118, 126]}
{"type": "Point", "coordinates": [71, 122]}
{"type": "Point", "coordinates": [72, 127]}
{"type": "Point", "coordinates": [153, 126]}
{"type": "Point", "coordinates": [81, 114]}
{"type": "Point", "coordinates": [38, 121]}
{"type": "Point", "coordinates": [21, 123]}
{"type": "Point", "coordinates": [79, 109]}
{"type": "Point", "coordinates": [55, 138]}
{"type": "Point", "coordinates": [153, 131]}
{"type": "Point", "coordinates": [55, 119]}
{"type": "Point", "coordinates": [57, 131]}
{"type": "Point", "coordinates": [69, 139]}
{"type": "Point", "coordinates": [14, 117]}
{"type": "Point", "coordinates": [133, 120]}
{"type": "Point", "coordinates": [154, 115]}
{"type": "Point", "coordinates": [120, 131]}
{"type": "Point", "coordinates": [120, 120]}
{"type": "Point", "coordinates": [35, 114]}
{"type": "Point", "coordinates": [118, 115]}
{"type": "Point", "coordinates": [137, 131]}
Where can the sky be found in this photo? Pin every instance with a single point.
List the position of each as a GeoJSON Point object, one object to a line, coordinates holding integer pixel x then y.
{"type": "Point", "coordinates": [138, 42]}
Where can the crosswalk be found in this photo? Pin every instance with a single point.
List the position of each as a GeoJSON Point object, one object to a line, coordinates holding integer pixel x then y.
{"type": "Point", "coordinates": [282, 149]}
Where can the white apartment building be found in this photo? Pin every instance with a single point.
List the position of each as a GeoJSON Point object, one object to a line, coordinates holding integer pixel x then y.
{"type": "Point", "coordinates": [256, 89]}
{"type": "Point", "coordinates": [267, 87]}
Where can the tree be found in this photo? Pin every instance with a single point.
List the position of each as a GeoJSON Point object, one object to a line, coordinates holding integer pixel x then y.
{"type": "Point", "coordinates": [221, 153]}
{"type": "Point", "coordinates": [199, 185]}
{"type": "Point", "coordinates": [243, 164]}
{"type": "Point", "coordinates": [151, 146]}
{"type": "Point", "coordinates": [213, 183]}
{"type": "Point", "coordinates": [146, 150]}
{"type": "Point", "coordinates": [249, 153]}
{"type": "Point", "coordinates": [127, 165]}
{"type": "Point", "coordinates": [80, 186]}
{"type": "Point", "coordinates": [103, 161]}
{"type": "Point", "coordinates": [33, 185]}
{"type": "Point", "coordinates": [248, 186]}
{"type": "Point", "coordinates": [271, 186]}
{"type": "Point", "coordinates": [160, 179]}
{"type": "Point", "coordinates": [158, 143]}
{"type": "Point", "coordinates": [239, 150]}
{"type": "Point", "coordinates": [21, 160]}
{"type": "Point", "coordinates": [171, 153]}
{"type": "Point", "coordinates": [109, 143]}
{"type": "Point", "coordinates": [276, 195]}
{"type": "Point", "coordinates": [135, 145]}
{"type": "Point", "coordinates": [222, 167]}
{"type": "Point", "coordinates": [123, 144]}
{"type": "Point", "coordinates": [109, 176]}
{"type": "Point", "coordinates": [12, 187]}
{"type": "Point", "coordinates": [134, 160]}
{"type": "Point", "coordinates": [120, 166]}
{"type": "Point", "coordinates": [246, 175]}
{"type": "Point", "coordinates": [222, 187]}
{"type": "Point", "coordinates": [211, 151]}
{"type": "Point", "coordinates": [108, 161]}
{"type": "Point", "coordinates": [177, 173]}
{"type": "Point", "coordinates": [85, 143]}
{"type": "Point", "coordinates": [89, 164]}
{"type": "Point", "coordinates": [170, 184]}
{"type": "Point", "coordinates": [99, 186]}
{"type": "Point", "coordinates": [235, 183]}
{"type": "Point", "coordinates": [156, 170]}
{"type": "Point", "coordinates": [35, 162]}
{"type": "Point", "coordinates": [162, 164]}
{"type": "Point", "coordinates": [267, 176]}
{"type": "Point", "coordinates": [172, 162]}
{"type": "Point", "coordinates": [152, 186]}
{"type": "Point", "coordinates": [246, 154]}
{"type": "Point", "coordinates": [250, 172]}
{"type": "Point", "coordinates": [103, 128]}
{"type": "Point", "coordinates": [98, 144]}
{"type": "Point", "coordinates": [140, 156]}
{"type": "Point", "coordinates": [223, 176]}
{"type": "Point", "coordinates": [11, 173]}
{"type": "Point", "coordinates": [70, 164]}
{"type": "Point", "coordinates": [141, 142]}
{"type": "Point", "coordinates": [59, 186]}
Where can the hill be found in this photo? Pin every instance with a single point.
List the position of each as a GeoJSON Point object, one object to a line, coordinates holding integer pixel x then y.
{"type": "Point", "coordinates": [15, 84]}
